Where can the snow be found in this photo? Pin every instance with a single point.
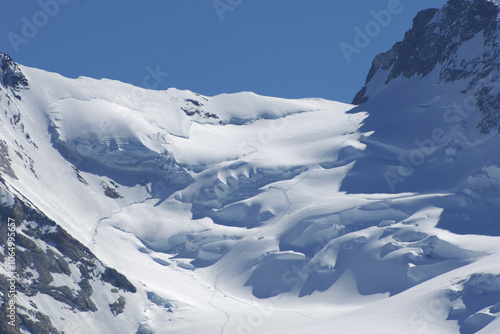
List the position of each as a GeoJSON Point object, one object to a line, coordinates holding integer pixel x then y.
{"type": "Point", "coordinates": [240, 213]}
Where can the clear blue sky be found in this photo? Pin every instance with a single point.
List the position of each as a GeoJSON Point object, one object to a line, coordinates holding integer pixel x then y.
{"type": "Point", "coordinates": [284, 48]}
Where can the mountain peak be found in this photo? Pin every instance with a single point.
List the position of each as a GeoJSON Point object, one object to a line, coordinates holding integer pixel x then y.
{"type": "Point", "coordinates": [458, 44]}
{"type": "Point", "coordinates": [10, 74]}
{"type": "Point", "coordinates": [433, 43]}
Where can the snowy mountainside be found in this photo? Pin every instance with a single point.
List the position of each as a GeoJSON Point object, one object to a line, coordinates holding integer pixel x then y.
{"type": "Point", "coordinates": [240, 213]}
{"type": "Point", "coordinates": [442, 137]}
{"type": "Point", "coordinates": [58, 275]}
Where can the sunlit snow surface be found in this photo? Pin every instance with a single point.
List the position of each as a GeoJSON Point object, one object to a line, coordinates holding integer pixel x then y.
{"type": "Point", "coordinates": [250, 214]}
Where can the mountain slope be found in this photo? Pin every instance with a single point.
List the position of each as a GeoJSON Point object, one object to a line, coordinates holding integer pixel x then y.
{"type": "Point", "coordinates": [440, 138]}
{"type": "Point", "coordinates": [247, 214]}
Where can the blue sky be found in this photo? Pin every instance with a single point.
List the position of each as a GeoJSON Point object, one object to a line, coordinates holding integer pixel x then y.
{"type": "Point", "coordinates": [284, 48]}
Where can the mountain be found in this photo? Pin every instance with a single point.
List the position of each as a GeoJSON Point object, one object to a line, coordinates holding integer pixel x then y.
{"type": "Point", "coordinates": [458, 44]}
{"type": "Point", "coordinates": [441, 138]}
{"type": "Point", "coordinates": [140, 211]}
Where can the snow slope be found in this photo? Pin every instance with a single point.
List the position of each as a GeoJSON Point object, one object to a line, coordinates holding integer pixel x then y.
{"type": "Point", "coordinates": [247, 214]}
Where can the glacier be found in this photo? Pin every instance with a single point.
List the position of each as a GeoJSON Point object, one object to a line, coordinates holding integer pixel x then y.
{"type": "Point", "coordinates": [142, 211]}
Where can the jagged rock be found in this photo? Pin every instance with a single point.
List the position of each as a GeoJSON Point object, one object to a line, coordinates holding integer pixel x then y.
{"type": "Point", "coordinates": [433, 44]}
{"type": "Point", "coordinates": [5, 161]}
{"type": "Point", "coordinates": [118, 306]}
{"type": "Point", "coordinates": [10, 74]}
{"type": "Point", "coordinates": [117, 280]}
{"type": "Point", "coordinates": [61, 252]}
{"type": "Point", "coordinates": [110, 192]}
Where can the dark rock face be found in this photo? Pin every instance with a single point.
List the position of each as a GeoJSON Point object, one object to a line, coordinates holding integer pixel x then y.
{"type": "Point", "coordinates": [43, 249]}
{"type": "Point", "coordinates": [118, 306]}
{"type": "Point", "coordinates": [10, 74]}
{"type": "Point", "coordinates": [5, 161]}
{"type": "Point", "coordinates": [116, 279]}
{"type": "Point", "coordinates": [433, 43]}
{"type": "Point", "coordinates": [111, 192]}
{"type": "Point", "coordinates": [194, 107]}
